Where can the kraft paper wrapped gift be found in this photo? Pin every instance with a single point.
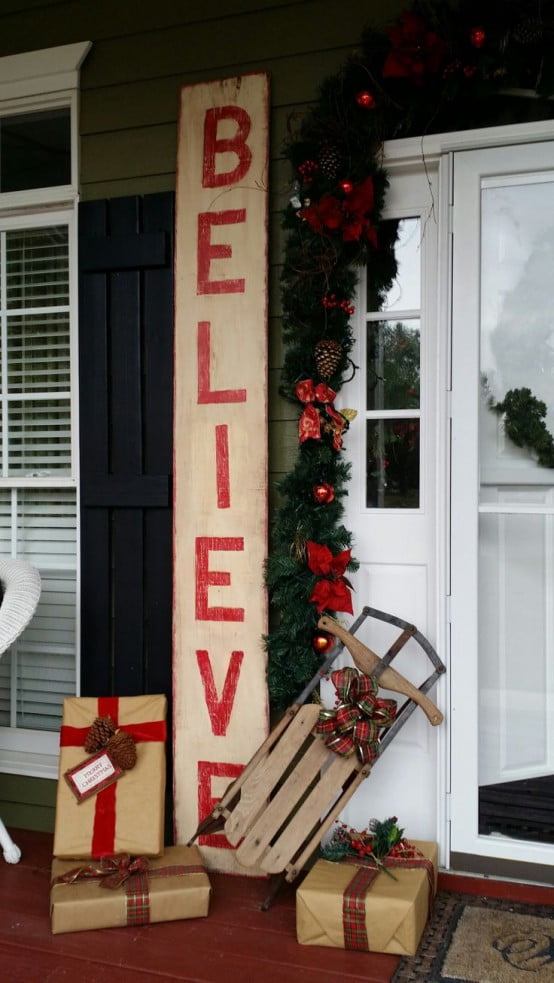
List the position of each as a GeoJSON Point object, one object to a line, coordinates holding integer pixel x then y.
{"type": "Point", "coordinates": [128, 815]}
{"type": "Point", "coordinates": [396, 911]}
{"type": "Point", "coordinates": [177, 886]}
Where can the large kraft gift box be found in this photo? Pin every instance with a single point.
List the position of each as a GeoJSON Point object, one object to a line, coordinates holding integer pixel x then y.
{"type": "Point", "coordinates": [128, 815]}
{"type": "Point", "coordinates": [391, 914]}
{"type": "Point", "coordinates": [172, 887]}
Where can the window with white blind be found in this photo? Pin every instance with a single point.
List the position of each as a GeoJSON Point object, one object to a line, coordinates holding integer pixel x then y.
{"type": "Point", "coordinates": [38, 420]}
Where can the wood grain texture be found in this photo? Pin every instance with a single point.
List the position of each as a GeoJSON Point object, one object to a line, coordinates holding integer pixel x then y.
{"type": "Point", "coordinates": [220, 488]}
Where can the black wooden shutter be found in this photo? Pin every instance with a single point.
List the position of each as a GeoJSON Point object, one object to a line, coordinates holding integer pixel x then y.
{"type": "Point", "coordinates": [126, 394]}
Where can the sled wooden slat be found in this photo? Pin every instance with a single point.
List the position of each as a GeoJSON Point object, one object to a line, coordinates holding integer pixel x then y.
{"type": "Point", "coordinates": [309, 814]}
{"type": "Point", "coordinates": [261, 781]}
{"type": "Point", "coordinates": [259, 756]}
{"type": "Point", "coordinates": [258, 837]}
{"type": "Point", "coordinates": [292, 869]}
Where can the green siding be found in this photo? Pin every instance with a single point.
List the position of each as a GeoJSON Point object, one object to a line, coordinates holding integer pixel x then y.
{"type": "Point", "coordinates": [143, 52]}
{"type": "Point", "coordinates": [28, 803]}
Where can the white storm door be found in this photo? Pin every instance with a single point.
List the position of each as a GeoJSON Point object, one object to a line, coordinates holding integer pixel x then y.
{"type": "Point", "coordinates": [502, 531]}
{"type": "Point", "coordinates": [392, 502]}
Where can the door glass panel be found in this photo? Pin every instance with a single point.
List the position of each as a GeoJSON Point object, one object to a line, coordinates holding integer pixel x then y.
{"type": "Point", "coordinates": [393, 365]}
{"type": "Point", "coordinates": [516, 523]}
{"type": "Point", "coordinates": [393, 360]}
{"type": "Point", "coordinates": [393, 464]}
{"type": "Point", "coordinates": [402, 237]}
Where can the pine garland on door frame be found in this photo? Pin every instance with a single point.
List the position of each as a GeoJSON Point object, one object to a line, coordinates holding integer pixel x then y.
{"type": "Point", "coordinates": [437, 68]}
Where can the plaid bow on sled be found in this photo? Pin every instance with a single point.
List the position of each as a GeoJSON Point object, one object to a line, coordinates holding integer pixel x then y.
{"type": "Point", "coordinates": [354, 725]}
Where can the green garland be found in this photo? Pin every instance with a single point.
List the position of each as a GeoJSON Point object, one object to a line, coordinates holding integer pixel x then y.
{"type": "Point", "coordinates": [436, 69]}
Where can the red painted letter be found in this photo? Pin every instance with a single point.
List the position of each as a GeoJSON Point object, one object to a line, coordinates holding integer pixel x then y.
{"type": "Point", "coordinates": [222, 466]}
{"type": "Point", "coordinates": [235, 145]}
{"type": "Point", "coordinates": [206, 578]}
{"type": "Point", "coordinates": [206, 771]}
{"type": "Point", "coordinates": [205, 394]}
{"type": "Point", "coordinates": [208, 251]}
{"type": "Point", "coordinates": [219, 709]}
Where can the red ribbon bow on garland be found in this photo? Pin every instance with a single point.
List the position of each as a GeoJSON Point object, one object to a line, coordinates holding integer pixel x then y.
{"type": "Point", "coordinates": [354, 725]}
{"type": "Point", "coordinates": [333, 592]}
{"type": "Point", "coordinates": [310, 425]}
{"type": "Point", "coordinates": [415, 49]}
{"type": "Point", "coordinates": [349, 216]}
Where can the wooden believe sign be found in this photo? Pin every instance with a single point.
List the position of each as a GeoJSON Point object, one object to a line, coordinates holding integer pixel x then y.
{"type": "Point", "coordinates": [220, 713]}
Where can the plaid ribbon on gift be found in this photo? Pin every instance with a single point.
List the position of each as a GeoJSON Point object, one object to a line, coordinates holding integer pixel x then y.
{"type": "Point", "coordinates": [354, 895]}
{"type": "Point", "coordinates": [135, 874]}
{"type": "Point", "coordinates": [353, 908]}
{"type": "Point", "coordinates": [355, 724]}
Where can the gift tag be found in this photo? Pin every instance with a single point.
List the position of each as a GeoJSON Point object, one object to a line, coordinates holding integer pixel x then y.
{"type": "Point", "coordinates": [92, 775]}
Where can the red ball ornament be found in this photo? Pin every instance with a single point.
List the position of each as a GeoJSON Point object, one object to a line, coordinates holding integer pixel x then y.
{"type": "Point", "coordinates": [365, 100]}
{"type": "Point", "coordinates": [477, 37]}
{"type": "Point", "coordinates": [323, 493]}
{"type": "Point", "coordinates": [322, 642]}
{"type": "Point", "coordinates": [346, 186]}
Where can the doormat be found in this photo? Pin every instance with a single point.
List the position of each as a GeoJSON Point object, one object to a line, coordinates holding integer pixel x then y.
{"type": "Point", "coordinates": [483, 940]}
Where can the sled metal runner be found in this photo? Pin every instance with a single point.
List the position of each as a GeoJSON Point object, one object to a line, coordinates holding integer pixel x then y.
{"type": "Point", "coordinates": [280, 807]}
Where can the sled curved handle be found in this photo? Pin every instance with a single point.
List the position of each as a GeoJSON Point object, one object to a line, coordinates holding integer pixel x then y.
{"type": "Point", "coordinates": [367, 662]}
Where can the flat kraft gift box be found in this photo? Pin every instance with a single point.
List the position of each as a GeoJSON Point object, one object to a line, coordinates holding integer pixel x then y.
{"type": "Point", "coordinates": [387, 916]}
{"type": "Point", "coordinates": [172, 887]}
{"type": "Point", "coordinates": [127, 816]}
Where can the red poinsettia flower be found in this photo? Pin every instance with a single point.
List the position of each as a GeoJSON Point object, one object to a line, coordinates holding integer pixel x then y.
{"type": "Point", "coordinates": [415, 50]}
{"type": "Point", "coordinates": [325, 215]}
{"type": "Point", "coordinates": [331, 593]}
{"type": "Point", "coordinates": [350, 216]}
{"type": "Point", "coordinates": [322, 561]}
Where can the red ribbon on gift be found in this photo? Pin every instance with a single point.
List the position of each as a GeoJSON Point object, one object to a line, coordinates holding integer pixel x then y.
{"type": "Point", "coordinates": [355, 892]}
{"type": "Point", "coordinates": [135, 873]}
{"type": "Point", "coordinates": [103, 833]}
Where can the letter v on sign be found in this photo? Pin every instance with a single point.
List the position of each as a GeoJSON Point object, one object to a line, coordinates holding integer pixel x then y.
{"type": "Point", "coordinates": [219, 708]}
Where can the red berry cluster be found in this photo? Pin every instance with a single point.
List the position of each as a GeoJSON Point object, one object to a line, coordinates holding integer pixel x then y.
{"type": "Point", "coordinates": [308, 169]}
{"type": "Point", "coordinates": [362, 845]}
{"type": "Point", "coordinates": [331, 301]}
{"type": "Point", "coordinates": [403, 849]}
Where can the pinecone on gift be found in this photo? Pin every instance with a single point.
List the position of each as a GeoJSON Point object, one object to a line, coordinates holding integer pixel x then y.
{"type": "Point", "coordinates": [99, 734]}
{"type": "Point", "coordinates": [328, 354]}
{"type": "Point", "coordinates": [329, 159]}
{"type": "Point", "coordinates": [123, 750]}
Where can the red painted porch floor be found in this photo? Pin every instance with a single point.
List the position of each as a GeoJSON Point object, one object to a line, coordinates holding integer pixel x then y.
{"type": "Point", "coordinates": [237, 943]}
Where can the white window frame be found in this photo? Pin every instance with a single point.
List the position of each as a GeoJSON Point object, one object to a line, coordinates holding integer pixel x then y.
{"type": "Point", "coordinates": [42, 80]}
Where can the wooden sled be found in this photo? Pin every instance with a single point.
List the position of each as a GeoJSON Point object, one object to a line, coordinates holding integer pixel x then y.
{"type": "Point", "coordinates": [278, 810]}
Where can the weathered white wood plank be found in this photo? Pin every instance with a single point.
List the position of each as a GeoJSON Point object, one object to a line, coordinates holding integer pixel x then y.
{"type": "Point", "coordinates": [220, 495]}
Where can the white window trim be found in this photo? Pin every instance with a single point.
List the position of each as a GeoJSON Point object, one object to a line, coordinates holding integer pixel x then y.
{"type": "Point", "coordinates": [46, 70]}
{"type": "Point", "coordinates": [47, 78]}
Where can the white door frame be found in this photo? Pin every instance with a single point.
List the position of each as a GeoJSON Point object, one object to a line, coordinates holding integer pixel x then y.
{"type": "Point", "coordinates": [402, 156]}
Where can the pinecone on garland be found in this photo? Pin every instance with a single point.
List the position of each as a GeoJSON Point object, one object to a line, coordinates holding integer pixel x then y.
{"type": "Point", "coordinates": [328, 354]}
{"type": "Point", "coordinates": [99, 734]}
{"type": "Point", "coordinates": [123, 750]}
{"type": "Point", "coordinates": [329, 159]}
